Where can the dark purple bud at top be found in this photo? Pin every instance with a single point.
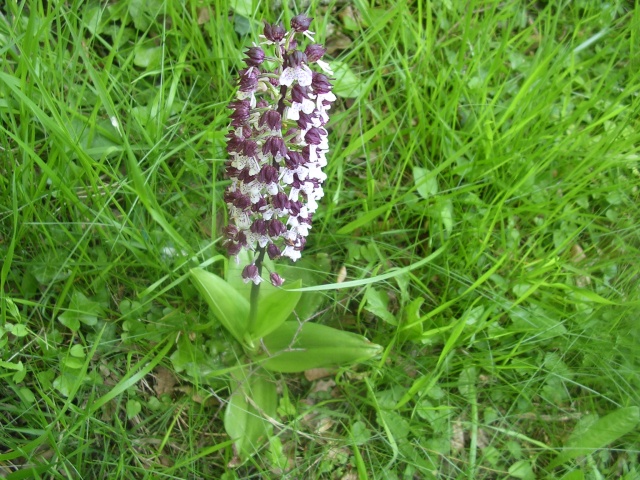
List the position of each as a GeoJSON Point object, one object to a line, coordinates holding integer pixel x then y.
{"type": "Point", "coordinates": [259, 226]}
{"type": "Point", "coordinates": [276, 280]}
{"type": "Point", "coordinates": [276, 228]}
{"type": "Point", "coordinates": [300, 23]}
{"type": "Point", "coordinates": [281, 201]}
{"type": "Point", "coordinates": [313, 136]}
{"type": "Point", "coordinates": [314, 52]}
{"type": "Point", "coordinates": [255, 56]}
{"type": "Point", "coordinates": [298, 93]}
{"type": "Point", "coordinates": [320, 83]}
{"type": "Point", "coordinates": [273, 251]}
{"type": "Point", "coordinates": [248, 79]}
{"type": "Point", "coordinates": [275, 33]}
{"type": "Point", "coordinates": [274, 146]}
{"type": "Point", "coordinates": [295, 59]}
{"type": "Point", "coordinates": [268, 174]}
{"type": "Point", "coordinates": [272, 118]}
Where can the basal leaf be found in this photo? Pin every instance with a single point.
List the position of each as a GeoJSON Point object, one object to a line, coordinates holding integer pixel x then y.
{"type": "Point", "coordinates": [247, 418]}
{"type": "Point", "coordinates": [601, 433]}
{"type": "Point", "coordinates": [226, 303]}
{"type": "Point", "coordinates": [296, 348]}
{"type": "Point", "coordinates": [274, 307]}
{"type": "Point", "coordinates": [426, 182]}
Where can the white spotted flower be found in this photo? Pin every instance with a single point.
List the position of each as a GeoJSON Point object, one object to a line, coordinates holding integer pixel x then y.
{"type": "Point", "coordinates": [277, 146]}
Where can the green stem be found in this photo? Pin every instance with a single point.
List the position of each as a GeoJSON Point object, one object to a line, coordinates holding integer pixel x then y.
{"type": "Point", "coordinates": [255, 291]}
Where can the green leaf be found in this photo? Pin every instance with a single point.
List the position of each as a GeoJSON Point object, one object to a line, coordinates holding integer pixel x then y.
{"type": "Point", "coordinates": [522, 469]}
{"type": "Point", "coordinates": [377, 303]}
{"type": "Point", "coordinates": [133, 408]}
{"type": "Point", "coordinates": [77, 351]}
{"type": "Point", "coordinates": [426, 182]}
{"type": "Point", "coordinates": [274, 307]}
{"type": "Point", "coordinates": [147, 57]}
{"type": "Point", "coordinates": [296, 348]}
{"type": "Point", "coordinates": [19, 330]}
{"type": "Point", "coordinates": [347, 83]}
{"type": "Point", "coordinates": [601, 433]}
{"type": "Point", "coordinates": [226, 304]}
{"type": "Point", "coordinates": [247, 418]}
{"type": "Point", "coordinates": [81, 309]}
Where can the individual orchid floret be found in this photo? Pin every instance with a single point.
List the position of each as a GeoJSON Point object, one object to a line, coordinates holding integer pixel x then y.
{"type": "Point", "coordinates": [277, 147]}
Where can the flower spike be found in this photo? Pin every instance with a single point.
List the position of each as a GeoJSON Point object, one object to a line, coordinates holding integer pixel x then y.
{"type": "Point", "coordinates": [277, 146]}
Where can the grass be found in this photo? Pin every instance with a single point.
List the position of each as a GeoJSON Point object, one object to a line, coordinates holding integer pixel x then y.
{"type": "Point", "coordinates": [505, 134]}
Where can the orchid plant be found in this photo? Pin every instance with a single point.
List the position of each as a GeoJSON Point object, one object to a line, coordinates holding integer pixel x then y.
{"type": "Point", "coordinates": [278, 146]}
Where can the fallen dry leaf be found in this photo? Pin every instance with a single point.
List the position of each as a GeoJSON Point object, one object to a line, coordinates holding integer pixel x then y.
{"type": "Point", "coordinates": [165, 381]}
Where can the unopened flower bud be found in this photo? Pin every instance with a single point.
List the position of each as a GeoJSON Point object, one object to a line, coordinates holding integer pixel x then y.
{"type": "Point", "coordinates": [274, 33]}
{"type": "Point", "coordinates": [276, 280]}
{"type": "Point", "coordinates": [300, 23]}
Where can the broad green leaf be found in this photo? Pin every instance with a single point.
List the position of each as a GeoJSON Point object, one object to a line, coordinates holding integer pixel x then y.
{"type": "Point", "coordinates": [601, 433]}
{"type": "Point", "coordinates": [347, 83]}
{"type": "Point", "coordinates": [446, 215]}
{"type": "Point", "coordinates": [426, 182]}
{"type": "Point", "coordinates": [522, 469]}
{"type": "Point", "coordinates": [412, 318]}
{"type": "Point", "coordinates": [377, 303]}
{"type": "Point", "coordinates": [77, 351]}
{"type": "Point", "coordinates": [81, 309]}
{"type": "Point", "coordinates": [147, 57]}
{"type": "Point", "coordinates": [296, 348]}
{"type": "Point", "coordinates": [19, 330]}
{"type": "Point", "coordinates": [247, 418]}
{"type": "Point", "coordinates": [536, 320]}
{"type": "Point", "coordinates": [133, 408]}
{"type": "Point", "coordinates": [274, 307]}
{"type": "Point", "coordinates": [226, 304]}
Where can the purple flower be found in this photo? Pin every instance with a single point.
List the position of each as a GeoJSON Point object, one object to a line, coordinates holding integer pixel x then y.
{"type": "Point", "coordinates": [255, 56]}
{"type": "Point", "coordinates": [276, 279]}
{"type": "Point", "coordinates": [250, 274]}
{"type": "Point", "coordinates": [277, 147]}
{"type": "Point", "coordinates": [300, 23]}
